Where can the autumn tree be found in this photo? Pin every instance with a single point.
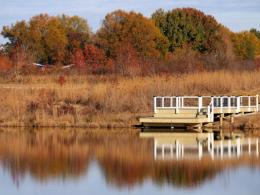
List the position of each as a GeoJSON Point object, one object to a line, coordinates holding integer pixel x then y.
{"type": "Point", "coordinates": [188, 26]}
{"type": "Point", "coordinates": [222, 57]}
{"type": "Point", "coordinates": [47, 38]}
{"type": "Point", "coordinates": [5, 64]}
{"type": "Point", "coordinates": [127, 61]}
{"type": "Point", "coordinates": [121, 27]}
{"type": "Point", "coordinates": [55, 41]}
{"type": "Point", "coordinates": [79, 60]}
{"type": "Point", "coordinates": [95, 59]}
{"type": "Point", "coordinates": [246, 45]}
{"type": "Point", "coordinates": [78, 34]}
{"type": "Point", "coordinates": [184, 59]}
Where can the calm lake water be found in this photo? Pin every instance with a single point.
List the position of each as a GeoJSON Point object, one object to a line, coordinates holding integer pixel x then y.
{"type": "Point", "coordinates": [122, 162]}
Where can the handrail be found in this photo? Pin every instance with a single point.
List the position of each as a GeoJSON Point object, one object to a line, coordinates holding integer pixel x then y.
{"type": "Point", "coordinates": [215, 102]}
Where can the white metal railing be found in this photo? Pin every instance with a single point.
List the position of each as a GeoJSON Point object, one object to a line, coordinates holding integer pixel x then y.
{"type": "Point", "coordinates": [205, 103]}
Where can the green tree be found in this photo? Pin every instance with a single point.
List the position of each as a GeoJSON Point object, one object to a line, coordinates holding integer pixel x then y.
{"type": "Point", "coordinates": [78, 33]}
{"type": "Point", "coordinates": [121, 27]}
{"type": "Point", "coordinates": [256, 32]}
{"type": "Point", "coordinates": [18, 34]}
{"type": "Point", "coordinates": [188, 26]}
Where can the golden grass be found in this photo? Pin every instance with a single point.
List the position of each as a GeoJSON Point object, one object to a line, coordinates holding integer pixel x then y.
{"type": "Point", "coordinates": [107, 101]}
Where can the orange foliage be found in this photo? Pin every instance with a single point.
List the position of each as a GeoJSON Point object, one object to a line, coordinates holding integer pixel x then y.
{"type": "Point", "coordinates": [95, 59]}
{"type": "Point", "coordinates": [79, 59]}
{"type": "Point", "coordinates": [120, 27]}
{"type": "Point", "coordinates": [127, 62]}
{"type": "Point", "coordinates": [257, 62]}
{"type": "Point", "coordinates": [5, 64]}
{"type": "Point", "coordinates": [184, 60]}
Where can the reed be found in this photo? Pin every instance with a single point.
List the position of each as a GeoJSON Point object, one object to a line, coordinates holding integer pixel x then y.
{"type": "Point", "coordinates": [107, 101]}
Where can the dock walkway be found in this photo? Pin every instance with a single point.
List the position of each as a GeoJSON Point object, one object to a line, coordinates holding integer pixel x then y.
{"type": "Point", "coordinates": [197, 111]}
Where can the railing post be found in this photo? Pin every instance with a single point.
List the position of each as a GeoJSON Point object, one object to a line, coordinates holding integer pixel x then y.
{"type": "Point", "coordinates": [209, 114]}
{"type": "Point", "coordinates": [256, 102]}
{"type": "Point", "coordinates": [249, 101]}
{"type": "Point", "coordinates": [238, 104]}
{"type": "Point", "coordinates": [200, 103]}
{"type": "Point", "coordinates": [229, 102]}
{"type": "Point", "coordinates": [177, 104]}
{"type": "Point", "coordinates": [171, 102]}
{"type": "Point", "coordinates": [155, 104]}
{"type": "Point", "coordinates": [212, 109]}
{"type": "Point", "coordinates": [162, 102]}
{"type": "Point", "coordinates": [221, 104]}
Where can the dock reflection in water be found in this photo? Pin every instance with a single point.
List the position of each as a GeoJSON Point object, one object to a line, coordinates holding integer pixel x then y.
{"type": "Point", "coordinates": [198, 145]}
{"type": "Point", "coordinates": [121, 161]}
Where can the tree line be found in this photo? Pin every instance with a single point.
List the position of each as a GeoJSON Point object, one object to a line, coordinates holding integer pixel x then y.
{"type": "Point", "coordinates": [127, 43]}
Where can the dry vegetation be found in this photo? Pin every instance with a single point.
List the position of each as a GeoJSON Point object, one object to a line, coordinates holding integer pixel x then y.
{"type": "Point", "coordinates": [106, 101]}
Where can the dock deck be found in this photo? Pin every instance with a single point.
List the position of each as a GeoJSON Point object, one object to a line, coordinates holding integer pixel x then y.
{"type": "Point", "coordinates": [175, 111]}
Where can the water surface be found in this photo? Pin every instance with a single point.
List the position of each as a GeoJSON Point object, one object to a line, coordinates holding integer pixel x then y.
{"type": "Point", "coordinates": [115, 162]}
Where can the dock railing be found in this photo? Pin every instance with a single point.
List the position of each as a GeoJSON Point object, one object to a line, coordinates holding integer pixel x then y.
{"type": "Point", "coordinates": [210, 104]}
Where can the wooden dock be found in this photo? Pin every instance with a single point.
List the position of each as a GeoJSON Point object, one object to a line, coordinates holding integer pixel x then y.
{"type": "Point", "coordinates": [198, 111]}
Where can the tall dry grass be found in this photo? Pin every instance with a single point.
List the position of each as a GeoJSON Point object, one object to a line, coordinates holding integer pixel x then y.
{"type": "Point", "coordinates": [107, 101]}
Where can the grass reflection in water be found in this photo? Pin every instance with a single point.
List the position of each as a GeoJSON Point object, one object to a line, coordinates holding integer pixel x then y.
{"type": "Point", "coordinates": [124, 158]}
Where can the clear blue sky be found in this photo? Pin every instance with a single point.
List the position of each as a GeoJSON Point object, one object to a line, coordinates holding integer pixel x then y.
{"type": "Point", "coordinates": [236, 14]}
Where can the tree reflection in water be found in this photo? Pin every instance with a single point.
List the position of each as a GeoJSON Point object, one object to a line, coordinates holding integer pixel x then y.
{"type": "Point", "coordinates": [124, 158]}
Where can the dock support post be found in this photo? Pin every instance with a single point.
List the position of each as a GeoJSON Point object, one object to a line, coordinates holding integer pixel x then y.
{"type": "Point", "coordinates": [257, 103]}
{"type": "Point", "coordinates": [249, 146]}
{"type": "Point", "coordinates": [182, 151]}
{"type": "Point", "coordinates": [163, 151]}
{"type": "Point", "coordinates": [221, 119]}
{"type": "Point", "coordinates": [177, 149]}
{"type": "Point", "coordinates": [155, 149]}
{"type": "Point", "coordinates": [200, 150]}
{"type": "Point", "coordinates": [257, 154]}
{"type": "Point", "coordinates": [221, 149]}
{"type": "Point", "coordinates": [212, 145]}
{"type": "Point", "coordinates": [232, 118]}
{"type": "Point", "coordinates": [171, 151]}
{"type": "Point", "coordinates": [209, 141]}
{"type": "Point", "coordinates": [229, 148]}
{"type": "Point", "coordinates": [238, 147]}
